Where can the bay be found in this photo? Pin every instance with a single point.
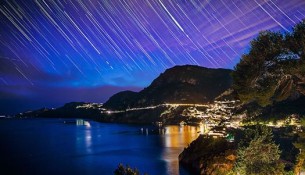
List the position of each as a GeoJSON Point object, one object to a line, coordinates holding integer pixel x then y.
{"type": "Point", "coordinates": [74, 146]}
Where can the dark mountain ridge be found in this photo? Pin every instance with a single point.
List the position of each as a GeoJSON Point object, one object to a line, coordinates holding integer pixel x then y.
{"type": "Point", "coordinates": [180, 84]}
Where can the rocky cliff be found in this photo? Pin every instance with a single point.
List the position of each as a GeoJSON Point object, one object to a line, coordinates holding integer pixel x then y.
{"type": "Point", "coordinates": [180, 84]}
{"type": "Point", "coordinates": [209, 156]}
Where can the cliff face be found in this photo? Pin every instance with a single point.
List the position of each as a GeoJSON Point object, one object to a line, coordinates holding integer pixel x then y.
{"type": "Point", "coordinates": [208, 156]}
{"type": "Point", "coordinates": [180, 84]}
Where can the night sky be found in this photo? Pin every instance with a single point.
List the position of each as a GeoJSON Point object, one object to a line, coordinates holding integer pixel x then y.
{"type": "Point", "coordinates": [53, 52]}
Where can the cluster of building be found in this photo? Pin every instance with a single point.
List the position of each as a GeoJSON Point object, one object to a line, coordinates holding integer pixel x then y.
{"type": "Point", "coordinates": [91, 106]}
{"type": "Point", "coordinates": [291, 120]}
{"type": "Point", "coordinates": [216, 118]}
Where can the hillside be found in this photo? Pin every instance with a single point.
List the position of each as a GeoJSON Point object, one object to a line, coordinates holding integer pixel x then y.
{"type": "Point", "coordinates": [180, 84]}
{"type": "Point", "coordinates": [69, 110]}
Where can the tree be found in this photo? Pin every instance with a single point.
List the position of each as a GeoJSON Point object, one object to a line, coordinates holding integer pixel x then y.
{"type": "Point", "coordinates": [300, 144]}
{"type": "Point", "coordinates": [258, 154]}
{"type": "Point", "coordinates": [122, 170]}
{"type": "Point", "coordinates": [252, 77]}
{"type": "Point", "coordinates": [274, 68]}
{"type": "Point", "coordinates": [297, 40]}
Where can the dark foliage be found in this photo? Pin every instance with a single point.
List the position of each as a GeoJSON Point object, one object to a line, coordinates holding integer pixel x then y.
{"type": "Point", "coordinates": [274, 68]}
{"type": "Point", "coordinates": [258, 154]}
{"type": "Point", "coordinates": [122, 170]}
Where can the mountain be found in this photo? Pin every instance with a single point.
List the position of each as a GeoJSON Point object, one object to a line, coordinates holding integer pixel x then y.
{"type": "Point", "coordinates": [180, 84]}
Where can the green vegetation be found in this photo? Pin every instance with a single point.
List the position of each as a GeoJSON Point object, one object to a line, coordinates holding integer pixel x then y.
{"type": "Point", "coordinates": [258, 154]}
{"type": "Point", "coordinates": [256, 150]}
{"type": "Point", "coordinates": [122, 170]}
{"type": "Point", "coordinates": [270, 81]}
{"type": "Point", "coordinates": [302, 122]}
{"type": "Point", "coordinates": [274, 68]}
{"type": "Point", "coordinates": [300, 144]}
{"type": "Point", "coordinates": [278, 89]}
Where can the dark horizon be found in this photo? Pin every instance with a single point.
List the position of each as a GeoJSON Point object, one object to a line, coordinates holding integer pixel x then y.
{"type": "Point", "coordinates": [41, 100]}
{"type": "Point", "coordinates": [52, 53]}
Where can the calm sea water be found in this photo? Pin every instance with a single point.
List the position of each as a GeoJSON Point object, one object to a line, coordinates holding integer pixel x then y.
{"type": "Point", "coordinates": [49, 146]}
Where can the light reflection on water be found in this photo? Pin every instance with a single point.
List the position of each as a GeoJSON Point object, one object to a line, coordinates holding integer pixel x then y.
{"type": "Point", "coordinates": [88, 140]}
{"type": "Point", "coordinates": [84, 140]}
{"type": "Point", "coordinates": [71, 146]}
{"type": "Point", "coordinates": [175, 139]}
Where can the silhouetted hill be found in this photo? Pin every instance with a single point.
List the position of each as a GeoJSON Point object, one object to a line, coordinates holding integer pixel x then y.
{"type": "Point", "coordinates": [123, 99]}
{"type": "Point", "coordinates": [180, 84]}
{"type": "Point", "coordinates": [69, 110]}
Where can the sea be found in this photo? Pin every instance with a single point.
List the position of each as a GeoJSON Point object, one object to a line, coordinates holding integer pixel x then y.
{"type": "Point", "coordinates": [77, 146]}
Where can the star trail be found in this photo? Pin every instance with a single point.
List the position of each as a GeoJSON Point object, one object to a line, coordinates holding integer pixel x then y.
{"type": "Point", "coordinates": [52, 52]}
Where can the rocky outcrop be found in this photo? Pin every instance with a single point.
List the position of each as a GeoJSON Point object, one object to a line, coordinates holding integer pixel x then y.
{"type": "Point", "coordinates": [290, 87]}
{"type": "Point", "coordinates": [208, 156]}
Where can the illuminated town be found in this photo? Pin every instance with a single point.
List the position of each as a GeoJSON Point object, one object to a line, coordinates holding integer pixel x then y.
{"type": "Point", "coordinates": [215, 118]}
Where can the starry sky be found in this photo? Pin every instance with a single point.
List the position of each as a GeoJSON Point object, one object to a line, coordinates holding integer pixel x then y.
{"type": "Point", "coordinates": [57, 51]}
